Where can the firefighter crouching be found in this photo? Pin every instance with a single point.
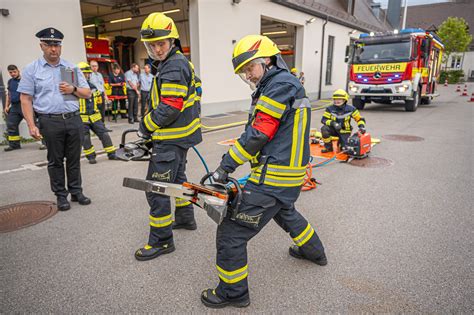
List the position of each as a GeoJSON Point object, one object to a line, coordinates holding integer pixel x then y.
{"type": "Point", "coordinates": [92, 120]}
{"type": "Point", "coordinates": [337, 121]}
{"type": "Point", "coordinates": [174, 126]}
{"type": "Point", "coordinates": [276, 140]}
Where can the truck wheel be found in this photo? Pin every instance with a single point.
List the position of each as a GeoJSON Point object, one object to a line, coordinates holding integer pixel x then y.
{"type": "Point", "coordinates": [358, 103]}
{"type": "Point", "coordinates": [411, 105]}
{"type": "Point", "coordinates": [425, 101]}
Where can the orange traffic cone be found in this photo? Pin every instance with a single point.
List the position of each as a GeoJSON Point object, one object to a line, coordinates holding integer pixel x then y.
{"type": "Point", "coordinates": [446, 82]}
{"type": "Point", "coordinates": [464, 92]}
{"type": "Point", "coordinates": [458, 89]}
{"type": "Point", "coordinates": [472, 98]}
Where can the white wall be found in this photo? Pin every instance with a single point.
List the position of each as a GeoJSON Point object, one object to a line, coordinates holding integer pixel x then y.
{"type": "Point", "coordinates": [220, 23]}
{"type": "Point", "coordinates": [18, 44]}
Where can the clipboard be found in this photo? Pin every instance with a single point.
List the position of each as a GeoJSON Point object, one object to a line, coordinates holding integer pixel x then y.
{"type": "Point", "coordinates": [70, 76]}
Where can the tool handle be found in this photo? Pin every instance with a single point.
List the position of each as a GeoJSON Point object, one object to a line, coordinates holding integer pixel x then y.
{"type": "Point", "coordinates": [124, 134]}
{"type": "Point", "coordinates": [237, 200]}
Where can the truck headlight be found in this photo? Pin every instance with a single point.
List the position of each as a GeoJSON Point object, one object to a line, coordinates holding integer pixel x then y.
{"type": "Point", "coordinates": [353, 88]}
{"type": "Point", "coordinates": [402, 88]}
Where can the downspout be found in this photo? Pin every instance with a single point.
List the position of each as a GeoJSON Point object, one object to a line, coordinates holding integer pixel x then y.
{"type": "Point", "coordinates": [322, 56]}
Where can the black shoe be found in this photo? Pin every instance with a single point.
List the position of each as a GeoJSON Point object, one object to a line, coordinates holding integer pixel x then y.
{"type": "Point", "coordinates": [295, 252]}
{"type": "Point", "coordinates": [92, 161]}
{"type": "Point", "coordinates": [187, 226]}
{"type": "Point", "coordinates": [8, 149]}
{"type": "Point", "coordinates": [130, 122]}
{"type": "Point", "coordinates": [42, 147]}
{"type": "Point", "coordinates": [108, 130]}
{"type": "Point", "coordinates": [112, 156]}
{"type": "Point", "coordinates": [210, 299]}
{"type": "Point", "coordinates": [327, 149]}
{"type": "Point", "coordinates": [149, 252]}
{"type": "Point", "coordinates": [63, 204]}
{"type": "Point", "coordinates": [81, 199]}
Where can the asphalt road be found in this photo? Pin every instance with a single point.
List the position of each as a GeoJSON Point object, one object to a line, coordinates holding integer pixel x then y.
{"type": "Point", "coordinates": [398, 238]}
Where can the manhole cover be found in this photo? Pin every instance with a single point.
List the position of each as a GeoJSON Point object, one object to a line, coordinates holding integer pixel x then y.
{"type": "Point", "coordinates": [371, 162]}
{"type": "Point", "coordinates": [19, 215]}
{"type": "Point", "coordinates": [406, 138]}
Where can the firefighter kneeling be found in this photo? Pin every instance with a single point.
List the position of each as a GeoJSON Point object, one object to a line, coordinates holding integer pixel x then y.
{"type": "Point", "coordinates": [92, 120]}
{"type": "Point", "coordinates": [276, 141]}
{"type": "Point", "coordinates": [337, 121]}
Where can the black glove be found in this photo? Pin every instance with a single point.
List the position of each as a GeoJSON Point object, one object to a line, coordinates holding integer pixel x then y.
{"type": "Point", "coordinates": [362, 129]}
{"type": "Point", "coordinates": [220, 176]}
{"type": "Point", "coordinates": [336, 125]}
{"type": "Point", "coordinates": [143, 132]}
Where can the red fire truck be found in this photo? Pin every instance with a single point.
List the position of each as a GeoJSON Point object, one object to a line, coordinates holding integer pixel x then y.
{"type": "Point", "coordinates": [399, 66]}
{"type": "Point", "coordinates": [98, 50]}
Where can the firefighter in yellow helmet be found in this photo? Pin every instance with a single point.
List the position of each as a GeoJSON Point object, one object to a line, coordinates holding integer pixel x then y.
{"type": "Point", "coordinates": [336, 121]}
{"type": "Point", "coordinates": [276, 143]}
{"type": "Point", "coordinates": [174, 126]}
{"type": "Point", "coordinates": [294, 72]}
{"type": "Point", "coordinates": [92, 120]}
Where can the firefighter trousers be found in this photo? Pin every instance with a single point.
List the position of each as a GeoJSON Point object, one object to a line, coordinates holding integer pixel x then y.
{"type": "Point", "coordinates": [328, 131]}
{"type": "Point", "coordinates": [255, 211]}
{"type": "Point", "coordinates": [14, 118]}
{"type": "Point", "coordinates": [99, 129]}
{"type": "Point", "coordinates": [167, 164]}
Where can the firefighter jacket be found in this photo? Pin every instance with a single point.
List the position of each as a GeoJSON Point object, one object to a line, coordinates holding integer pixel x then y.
{"type": "Point", "coordinates": [342, 115]}
{"type": "Point", "coordinates": [88, 107]}
{"type": "Point", "coordinates": [276, 137]}
{"type": "Point", "coordinates": [174, 118]}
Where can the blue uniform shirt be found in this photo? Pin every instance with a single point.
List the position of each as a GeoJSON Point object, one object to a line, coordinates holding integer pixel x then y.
{"type": "Point", "coordinates": [145, 81]}
{"type": "Point", "coordinates": [132, 77]}
{"type": "Point", "coordinates": [12, 90]}
{"type": "Point", "coordinates": [98, 80]}
{"type": "Point", "coordinates": [41, 80]}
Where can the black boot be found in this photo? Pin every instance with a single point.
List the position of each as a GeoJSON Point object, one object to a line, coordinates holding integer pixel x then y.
{"type": "Point", "coordinates": [112, 156]}
{"type": "Point", "coordinates": [150, 252]}
{"type": "Point", "coordinates": [63, 204]}
{"type": "Point", "coordinates": [187, 226]}
{"type": "Point", "coordinates": [92, 160]}
{"type": "Point", "coordinates": [327, 148]}
{"type": "Point", "coordinates": [81, 199]}
{"type": "Point", "coordinates": [8, 149]}
{"type": "Point", "coordinates": [212, 300]}
{"type": "Point", "coordinates": [295, 252]}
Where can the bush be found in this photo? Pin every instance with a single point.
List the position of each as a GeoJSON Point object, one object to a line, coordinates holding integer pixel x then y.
{"type": "Point", "coordinates": [454, 76]}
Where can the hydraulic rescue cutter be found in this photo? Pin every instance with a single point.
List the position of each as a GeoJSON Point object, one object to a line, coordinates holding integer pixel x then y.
{"type": "Point", "coordinates": [218, 200]}
{"type": "Point", "coordinates": [138, 150]}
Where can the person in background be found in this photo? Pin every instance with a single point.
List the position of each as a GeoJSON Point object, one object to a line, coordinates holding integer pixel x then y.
{"type": "Point", "coordinates": [132, 80]}
{"type": "Point", "coordinates": [98, 81]}
{"type": "Point", "coordinates": [301, 78]}
{"type": "Point", "coordinates": [13, 109]}
{"type": "Point", "coordinates": [146, 80]}
{"type": "Point", "coordinates": [117, 82]}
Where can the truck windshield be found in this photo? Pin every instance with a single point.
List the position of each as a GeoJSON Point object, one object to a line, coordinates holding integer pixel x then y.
{"type": "Point", "coordinates": [376, 53]}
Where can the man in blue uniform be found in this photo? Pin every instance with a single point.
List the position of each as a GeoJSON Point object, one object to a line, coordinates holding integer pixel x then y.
{"type": "Point", "coordinates": [146, 79]}
{"type": "Point", "coordinates": [173, 125]}
{"type": "Point", "coordinates": [276, 142]}
{"type": "Point", "coordinates": [13, 109]}
{"type": "Point", "coordinates": [44, 90]}
{"type": "Point", "coordinates": [336, 121]}
{"type": "Point", "coordinates": [132, 83]}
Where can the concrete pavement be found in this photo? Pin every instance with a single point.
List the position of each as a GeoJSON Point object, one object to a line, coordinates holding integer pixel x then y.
{"type": "Point", "coordinates": [398, 239]}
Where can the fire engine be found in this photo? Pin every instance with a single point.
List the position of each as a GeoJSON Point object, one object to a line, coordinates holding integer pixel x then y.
{"type": "Point", "coordinates": [98, 50]}
{"type": "Point", "coordinates": [395, 66]}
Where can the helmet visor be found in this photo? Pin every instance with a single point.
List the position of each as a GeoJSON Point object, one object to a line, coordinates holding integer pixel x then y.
{"type": "Point", "coordinates": [250, 73]}
{"type": "Point", "coordinates": [156, 49]}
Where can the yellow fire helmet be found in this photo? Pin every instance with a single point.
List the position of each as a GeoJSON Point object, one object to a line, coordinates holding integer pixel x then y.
{"type": "Point", "coordinates": [252, 47]}
{"type": "Point", "coordinates": [294, 70]}
{"type": "Point", "coordinates": [340, 94]}
{"type": "Point", "coordinates": [158, 26]}
{"type": "Point", "coordinates": [84, 66]}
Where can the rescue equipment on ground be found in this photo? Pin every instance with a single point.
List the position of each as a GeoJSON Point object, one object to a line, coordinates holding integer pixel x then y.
{"type": "Point", "coordinates": [359, 145]}
{"type": "Point", "coordinates": [216, 199]}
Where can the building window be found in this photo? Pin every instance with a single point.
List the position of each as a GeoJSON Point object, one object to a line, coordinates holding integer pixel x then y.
{"type": "Point", "coordinates": [456, 62]}
{"type": "Point", "coordinates": [329, 60]}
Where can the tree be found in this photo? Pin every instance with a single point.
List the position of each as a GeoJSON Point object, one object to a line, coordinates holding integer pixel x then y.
{"type": "Point", "coordinates": [454, 33]}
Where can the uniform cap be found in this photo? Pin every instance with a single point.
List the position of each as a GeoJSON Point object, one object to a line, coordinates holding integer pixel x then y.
{"type": "Point", "coordinates": [50, 35]}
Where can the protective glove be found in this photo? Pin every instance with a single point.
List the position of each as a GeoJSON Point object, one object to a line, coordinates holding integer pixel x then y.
{"type": "Point", "coordinates": [220, 176]}
{"type": "Point", "coordinates": [362, 129]}
{"type": "Point", "coordinates": [336, 125]}
{"type": "Point", "coordinates": [143, 133]}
